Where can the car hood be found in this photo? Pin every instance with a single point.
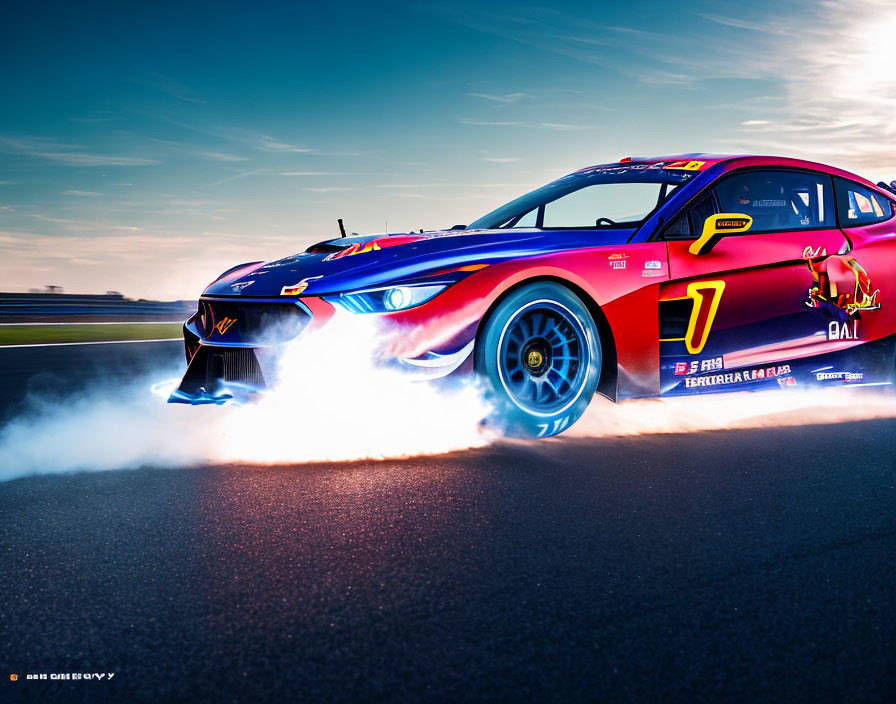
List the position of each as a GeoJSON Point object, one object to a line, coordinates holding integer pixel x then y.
{"type": "Point", "coordinates": [351, 263]}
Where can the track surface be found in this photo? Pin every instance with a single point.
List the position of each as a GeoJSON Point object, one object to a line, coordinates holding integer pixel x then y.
{"type": "Point", "coordinates": [752, 565]}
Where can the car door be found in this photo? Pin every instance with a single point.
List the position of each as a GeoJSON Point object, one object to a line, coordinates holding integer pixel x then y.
{"type": "Point", "coordinates": [739, 315]}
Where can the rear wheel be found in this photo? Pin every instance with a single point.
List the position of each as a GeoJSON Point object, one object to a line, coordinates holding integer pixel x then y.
{"type": "Point", "coordinates": [540, 354]}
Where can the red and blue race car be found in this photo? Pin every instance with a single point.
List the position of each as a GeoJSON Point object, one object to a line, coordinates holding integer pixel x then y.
{"type": "Point", "coordinates": [647, 277]}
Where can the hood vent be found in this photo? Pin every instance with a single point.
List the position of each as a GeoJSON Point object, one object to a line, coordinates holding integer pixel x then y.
{"type": "Point", "coordinates": [325, 248]}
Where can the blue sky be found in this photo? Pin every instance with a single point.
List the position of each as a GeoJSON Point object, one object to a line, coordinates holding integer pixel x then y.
{"type": "Point", "coordinates": [144, 148]}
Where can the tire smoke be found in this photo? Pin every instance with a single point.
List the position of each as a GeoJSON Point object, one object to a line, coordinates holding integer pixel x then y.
{"type": "Point", "coordinates": [332, 402]}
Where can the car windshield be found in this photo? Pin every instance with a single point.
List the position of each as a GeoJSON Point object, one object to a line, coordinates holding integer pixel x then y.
{"type": "Point", "coordinates": [604, 196]}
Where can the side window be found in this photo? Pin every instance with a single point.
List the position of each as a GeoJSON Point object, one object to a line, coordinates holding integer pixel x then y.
{"type": "Point", "coordinates": [857, 205]}
{"type": "Point", "coordinates": [704, 208]}
{"type": "Point", "coordinates": [689, 224]}
{"type": "Point", "coordinates": [530, 219]}
{"type": "Point", "coordinates": [679, 229]}
{"type": "Point", "coordinates": [779, 200]}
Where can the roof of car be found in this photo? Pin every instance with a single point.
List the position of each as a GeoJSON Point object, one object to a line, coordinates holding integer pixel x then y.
{"type": "Point", "coordinates": [701, 161]}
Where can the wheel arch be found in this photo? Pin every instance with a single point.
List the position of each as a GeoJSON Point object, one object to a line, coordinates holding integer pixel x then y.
{"type": "Point", "coordinates": [609, 366]}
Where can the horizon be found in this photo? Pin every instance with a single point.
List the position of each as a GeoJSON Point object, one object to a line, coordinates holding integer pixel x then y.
{"type": "Point", "coordinates": [145, 149]}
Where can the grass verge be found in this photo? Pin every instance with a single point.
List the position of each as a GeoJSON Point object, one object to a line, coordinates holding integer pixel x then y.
{"type": "Point", "coordinates": [36, 334]}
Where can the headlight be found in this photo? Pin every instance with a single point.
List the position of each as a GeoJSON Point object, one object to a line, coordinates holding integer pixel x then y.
{"type": "Point", "coordinates": [389, 298]}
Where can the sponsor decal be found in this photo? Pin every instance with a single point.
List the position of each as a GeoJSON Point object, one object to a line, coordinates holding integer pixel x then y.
{"type": "Point", "coordinates": [224, 325]}
{"type": "Point", "coordinates": [732, 224]}
{"type": "Point", "coordinates": [616, 169]}
{"type": "Point", "coordinates": [769, 203]}
{"type": "Point", "coordinates": [736, 377]}
{"type": "Point", "coordinates": [787, 381]}
{"type": "Point", "coordinates": [650, 272]}
{"type": "Point", "coordinates": [699, 366]}
{"type": "Point", "coordinates": [839, 376]}
{"type": "Point", "coordinates": [810, 253]}
{"type": "Point", "coordinates": [842, 282]}
{"type": "Point", "coordinates": [617, 260]}
{"type": "Point", "coordinates": [617, 256]}
{"type": "Point", "coordinates": [686, 165]}
{"type": "Point", "coordinates": [299, 288]}
{"type": "Point", "coordinates": [653, 264]}
{"type": "Point", "coordinates": [843, 331]}
{"type": "Point", "coordinates": [241, 285]}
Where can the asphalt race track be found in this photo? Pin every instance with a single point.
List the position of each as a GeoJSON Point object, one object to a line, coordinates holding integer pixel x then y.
{"type": "Point", "coordinates": [749, 565]}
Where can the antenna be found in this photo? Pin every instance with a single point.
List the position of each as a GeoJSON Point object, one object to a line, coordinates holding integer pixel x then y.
{"type": "Point", "coordinates": [341, 226]}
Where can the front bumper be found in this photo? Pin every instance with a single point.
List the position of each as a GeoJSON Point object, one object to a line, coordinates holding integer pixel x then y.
{"type": "Point", "coordinates": [232, 347]}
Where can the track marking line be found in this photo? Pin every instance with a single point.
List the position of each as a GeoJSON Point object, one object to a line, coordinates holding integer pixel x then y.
{"type": "Point", "coordinates": [102, 342]}
{"type": "Point", "coordinates": [104, 322]}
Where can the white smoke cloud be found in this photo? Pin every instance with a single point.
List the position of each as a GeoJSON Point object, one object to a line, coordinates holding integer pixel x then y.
{"type": "Point", "coordinates": [727, 411]}
{"type": "Point", "coordinates": [332, 403]}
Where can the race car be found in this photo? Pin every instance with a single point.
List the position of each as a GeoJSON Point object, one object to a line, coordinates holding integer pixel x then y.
{"type": "Point", "coordinates": [646, 277]}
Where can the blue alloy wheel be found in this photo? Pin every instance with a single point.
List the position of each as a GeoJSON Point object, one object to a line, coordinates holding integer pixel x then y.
{"type": "Point", "coordinates": [540, 352]}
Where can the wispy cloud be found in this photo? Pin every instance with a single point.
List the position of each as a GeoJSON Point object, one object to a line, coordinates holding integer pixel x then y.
{"type": "Point", "coordinates": [489, 123]}
{"type": "Point", "coordinates": [253, 139]}
{"type": "Point", "coordinates": [220, 156]}
{"type": "Point", "coordinates": [829, 64]}
{"type": "Point", "coordinates": [501, 159]}
{"type": "Point", "coordinates": [84, 194]}
{"type": "Point", "coordinates": [839, 98]}
{"type": "Point", "coordinates": [170, 86]}
{"type": "Point", "coordinates": [79, 225]}
{"type": "Point", "coordinates": [763, 27]}
{"type": "Point", "coordinates": [573, 35]}
{"type": "Point", "coordinates": [273, 145]}
{"type": "Point", "coordinates": [564, 126]}
{"type": "Point", "coordinates": [68, 154]}
{"type": "Point", "coordinates": [91, 160]}
{"type": "Point", "coordinates": [310, 173]}
{"type": "Point", "coordinates": [514, 123]}
{"type": "Point", "coordinates": [507, 99]}
{"type": "Point", "coordinates": [235, 177]}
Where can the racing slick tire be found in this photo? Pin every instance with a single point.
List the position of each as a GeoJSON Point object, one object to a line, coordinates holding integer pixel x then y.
{"type": "Point", "coordinates": [540, 355]}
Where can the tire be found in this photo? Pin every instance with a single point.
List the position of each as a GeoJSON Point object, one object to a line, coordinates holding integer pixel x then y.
{"type": "Point", "coordinates": [540, 356]}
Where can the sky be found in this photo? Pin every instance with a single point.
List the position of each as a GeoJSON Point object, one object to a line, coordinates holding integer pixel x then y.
{"type": "Point", "coordinates": [146, 147]}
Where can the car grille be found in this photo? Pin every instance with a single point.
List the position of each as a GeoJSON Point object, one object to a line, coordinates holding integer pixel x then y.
{"type": "Point", "coordinates": [238, 365]}
{"type": "Point", "coordinates": [251, 322]}
{"type": "Point", "coordinates": [212, 366]}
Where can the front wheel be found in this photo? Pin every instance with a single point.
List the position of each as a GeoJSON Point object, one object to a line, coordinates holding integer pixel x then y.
{"type": "Point", "coordinates": [540, 354]}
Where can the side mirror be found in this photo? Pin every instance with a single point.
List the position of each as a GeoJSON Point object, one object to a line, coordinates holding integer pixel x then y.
{"type": "Point", "coordinates": [716, 227]}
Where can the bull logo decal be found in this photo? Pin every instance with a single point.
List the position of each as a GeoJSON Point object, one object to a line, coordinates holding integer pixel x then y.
{"type": "Point", "coordinates": [842, 282]}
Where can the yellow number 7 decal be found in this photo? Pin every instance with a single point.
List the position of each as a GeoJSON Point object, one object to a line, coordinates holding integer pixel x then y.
{"type": "Point", "coordinates": [706, 296]}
